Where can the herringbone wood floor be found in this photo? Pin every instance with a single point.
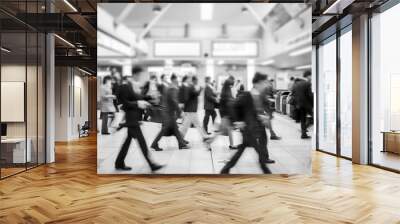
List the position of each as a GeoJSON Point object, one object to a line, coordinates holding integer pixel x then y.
{"type": "Point", "coordinates": [70, 191]}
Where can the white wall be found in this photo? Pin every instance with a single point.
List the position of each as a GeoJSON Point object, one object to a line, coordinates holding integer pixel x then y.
{"type": "Point", "coordinates": [33, 105]}
{"type": "Point", "coordinates": [69, 85]}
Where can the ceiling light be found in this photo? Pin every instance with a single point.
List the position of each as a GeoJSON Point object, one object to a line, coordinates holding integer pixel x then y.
{"type": "Point", "coordinates": [64, 40]}
{"type": "Point", "coordinates": [303, 67]}
{"type": "Point", "coordinates": [206, 11]}
{"type": "Point", "coordinates": [300, 51]}
{"type": "Point", "coordinates": [169, 62]}
{"type": "Point", "coordinates": [209, 61]}
{"type": "Point", "coordinates": [70, 5]}
{"type": "Point", "coordinates": [268, 62]}
{"type": "Point", "coordinates": [84, 71]}
{"type": "Point", "coordinates": [115, 61]}
{"type": "Point", "coordinates": [338, 6]}
{"type": "Point", "coordinates": [5, 50]}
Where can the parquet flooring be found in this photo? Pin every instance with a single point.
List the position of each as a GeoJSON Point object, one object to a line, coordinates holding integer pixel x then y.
{"type": "Point", "coordinates": [70, 191]}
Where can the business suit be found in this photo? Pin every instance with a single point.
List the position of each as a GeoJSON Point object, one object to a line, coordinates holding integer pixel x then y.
{"type": "Point", "coordinates": [182, 95]}
{"type": "Point", "coordinates": [269, 93]}
{"type": "Point", "coordinates": [210, 100]}
{"type": "Point", "coordinates": [163, 87]}
{"type": "Point", "coordinates": [303, 102]}
{"type": "Point", "coordinates": [129, 99]}
{"type": "Point", "coordinates": [191, 102]}
{"type": "Point", "coordinates": [170, 111]}
{"type": "Point", "coordinates": [225, 111]}
{"type": "Point", "coordinates": [254, 134]}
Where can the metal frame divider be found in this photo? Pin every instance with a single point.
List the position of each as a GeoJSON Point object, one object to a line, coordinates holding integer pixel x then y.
{"type": "Point", "coordinates": [382, 8]}
{"type": "Point", "coordinates": [338, 95]}
{"type": "Point", "coordinates": [316, 97]}
{"type": "Point", "coordinates": [338, 153]}
{"type": "Point", "coordinates": [37, 93]}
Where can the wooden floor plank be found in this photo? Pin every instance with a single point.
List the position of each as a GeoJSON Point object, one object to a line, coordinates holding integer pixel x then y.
{"type": "Point", "coordinates": [70, 191]}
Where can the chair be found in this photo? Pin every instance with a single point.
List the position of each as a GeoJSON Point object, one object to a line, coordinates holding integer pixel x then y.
{"type": "Point", "coordinates": [84, 130]}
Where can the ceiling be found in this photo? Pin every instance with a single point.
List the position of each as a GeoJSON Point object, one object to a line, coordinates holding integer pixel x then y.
{"type": "Point", "coordinates": [224, 14]}
{"type": "Point", "coordinates": [179, 14]}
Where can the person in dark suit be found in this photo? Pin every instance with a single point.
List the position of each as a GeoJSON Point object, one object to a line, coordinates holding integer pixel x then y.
{"type": "Point", "coordinates": [152, 89]}
{"type": "Point", "coordinates": [170, 112]}
{"type": "Point", "coordinates": [164, 84]}
{"type": "Point", "coordinates": [191, 101]}
{"type": "Point", "coordinates": [210, 101]}
{"type": "Point", "coordinates": [240, 90]}
{"type": "Point", "coordinates": [163, 87]}
{"type": "Point", "coordinates": [250, 117]}
{"type": "Point", "coordinates": [117, 81]}
{"type": "Point", "coordinates": [225, 110]}
{"type": "Point", "coordinates": [133, 104]}
{"type": "Point", "coordinates": [269, 93]}
{"type": "Point", "coordinates": [303, 101]}
{"type": "Point", "coordinates": [183, 89]}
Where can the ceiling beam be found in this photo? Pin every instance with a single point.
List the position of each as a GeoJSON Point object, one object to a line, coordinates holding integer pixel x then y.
{"type": "Point", "coordinates": [82, 61]}
{"type": "Point", "coordinates": [84, 24]}
{"type": "Point", "coordinates": [255, 15]}
{"type": "Point", "coordinates": [124, 14]}
{"type": "Point", "coordinates": [337, 7]}
{"type": "Point", "coordinates": [154, 21]}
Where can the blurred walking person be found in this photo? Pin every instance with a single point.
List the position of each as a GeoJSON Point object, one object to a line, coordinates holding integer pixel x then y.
{"type": "Point", "coordinates": [269, 93]}
{"type": "Point", "coordinates": [164, 84]}
{"type": "Point", "coordinates": [170, 112]}
{"type": "Point", "coordinates": [210, 101]}
{"type": "Point", "coordinates": [250, 117]}
{"type": "Point", "coordinates": [152, 90]}
{"type": "Point", "coordinates": [133, 103]}
{"type": "Point", "coordinates": [107, 107]}
{"type": "Point", "coordinates": [240, 90]}
{"type": "Point", "coordinates": [183, 89]}
{"type": "Point", "coordinates": [291, 83]}
{"type": "Point", "coordinates": [225, 110]}
{"type": "Point", "coordinates": [116, 85]}
{"type": "Point", "coordinates": [190, 101]}
{"type": "Point", "coordinates": [303, 102]}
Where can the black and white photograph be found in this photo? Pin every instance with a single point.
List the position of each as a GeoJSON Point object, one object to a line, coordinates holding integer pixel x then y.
{"type": "Point", "coordinates": [204, 88]}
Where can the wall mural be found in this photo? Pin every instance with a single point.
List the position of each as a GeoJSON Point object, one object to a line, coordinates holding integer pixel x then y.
{"type": "Point", "coordinates": [198, 99]}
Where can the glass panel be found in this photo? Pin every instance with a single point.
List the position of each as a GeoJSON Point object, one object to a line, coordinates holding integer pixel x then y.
{"type": "Point", "coordinates": [327, 96]}
{"type": "Point", "coordinates": [13, 86]}
{"type": "Point", "coordinates": [385, 84]}
{"type": "Point", "coordinates": [31, 97]}
{"type": "Point", "coordinates": [32, 87]}
{"type": "Point", "coordinates": [346, 94]}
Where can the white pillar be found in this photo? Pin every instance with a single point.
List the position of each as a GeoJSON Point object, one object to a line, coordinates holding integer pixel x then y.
{"type": "Point", "coordinates": [360, 90]}
{"type": "Point", "coordinates": [127, 70]}
{"type": "Point", "coordinates": [251, 69]}
{"type": "Point", "coordinates": [64, 101]}
{"type": "Point", "coordinates": [314, 90]}
{"type": "Point", "coordinates": [50, 99]}
{"type": "Point", "coordinates": [210, 68]}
